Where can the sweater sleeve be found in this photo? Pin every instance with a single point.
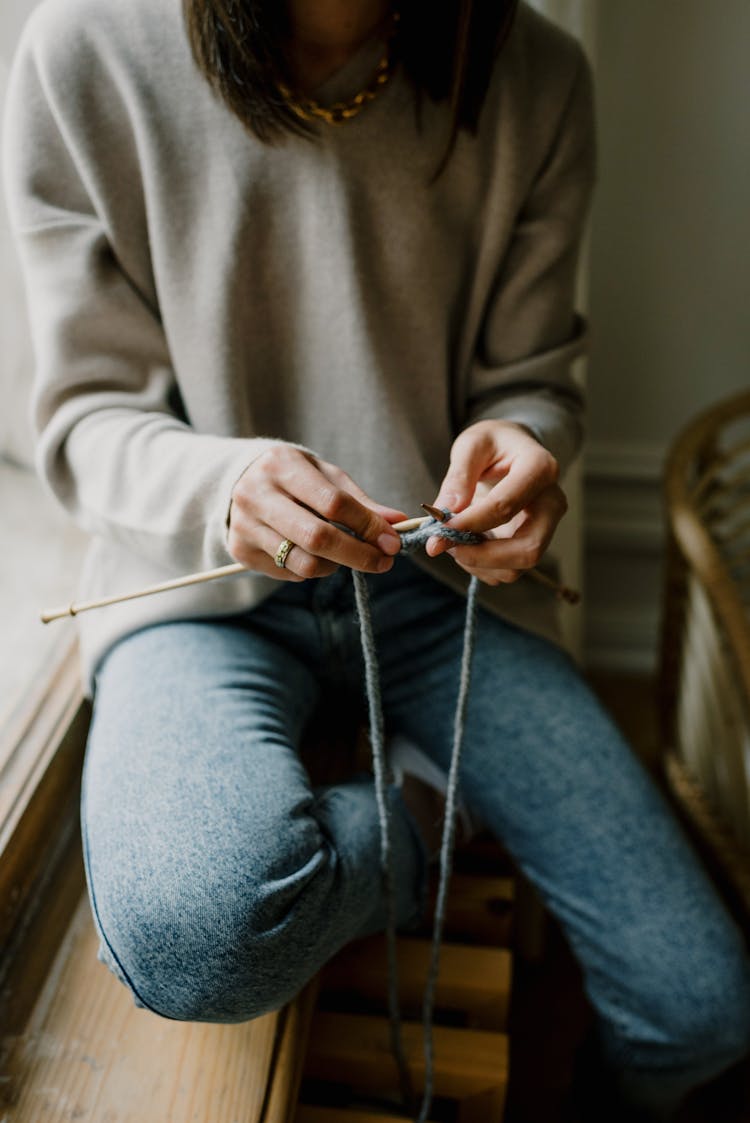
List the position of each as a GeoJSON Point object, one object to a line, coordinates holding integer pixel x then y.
{"type": "Point", "coordinates": [112, 445]}
{"type": "Point", "coordinates": [531, 332]}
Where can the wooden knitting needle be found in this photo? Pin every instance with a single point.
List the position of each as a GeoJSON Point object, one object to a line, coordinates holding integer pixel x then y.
{"type": "Point", "coordinates": [47, 617]}
{"type": "Point", "coordinates": [572, 596]}
{"type": "Point", "coordinates": [181, 582]}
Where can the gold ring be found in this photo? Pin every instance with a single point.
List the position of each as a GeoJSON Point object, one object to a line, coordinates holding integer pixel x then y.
{"type": "Point", "coordinates": [282, 553]}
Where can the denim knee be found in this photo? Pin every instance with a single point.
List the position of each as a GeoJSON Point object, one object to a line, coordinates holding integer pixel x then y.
{"type": "Point", "coordinates": [229, 954]}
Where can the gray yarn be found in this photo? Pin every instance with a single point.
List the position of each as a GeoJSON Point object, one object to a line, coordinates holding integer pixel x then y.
{"type": "Point", "coordinates": [410, 541]}
{"type": "Point", "coordinates": [447, 843]}
{"type": "Point", "coordinates": [380, 768]}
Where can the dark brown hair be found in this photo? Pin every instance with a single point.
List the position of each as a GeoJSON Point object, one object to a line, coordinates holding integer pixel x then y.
{"type": "Point", "coordinates": [447, 49]}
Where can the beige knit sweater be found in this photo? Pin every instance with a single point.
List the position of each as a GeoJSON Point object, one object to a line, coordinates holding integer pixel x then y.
{"type": "Point", "coordinates": [196, 294]}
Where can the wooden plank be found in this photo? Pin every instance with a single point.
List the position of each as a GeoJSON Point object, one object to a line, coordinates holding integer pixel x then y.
{"type": "Point", "coordinates": [40, 797]}
{"type": "Point", "coordinates": [286, 1070]}
{"type": "Point", "coordinates": [474, 980]}
{"type": "Point", "coordinates": [356, 1049]}
{"type": "Point", "coordinates": [28, 958]}
{"type": "Point", "coordinates": [484, 1107]}
{"type": "Point", "coordinates": [309, 1114]}
{"type": "Point", "coordinates": [89, 1054]}
{"type": "Point", "coordinates": [30, 735]}
{"type": "Point", "coordinates": [480, 910]}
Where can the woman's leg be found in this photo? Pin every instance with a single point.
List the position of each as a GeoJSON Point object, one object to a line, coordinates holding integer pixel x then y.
{"type": "Point", "coordinates": [547, 770]}
{"type": "Point", "coordinates": [219, 881]}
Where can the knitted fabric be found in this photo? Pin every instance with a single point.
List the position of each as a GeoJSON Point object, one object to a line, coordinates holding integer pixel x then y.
{"type": "Point", "coordinates": [410, 541]}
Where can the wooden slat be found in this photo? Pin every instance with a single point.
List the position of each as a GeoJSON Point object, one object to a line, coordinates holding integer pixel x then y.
{"type": "Point", "coordinates": [356, 1048]}
{"type": "Point", "coordinates": [475, 980]}
{"type": "Point", "coordinates": [28, 958]}
{"type": "Point", "coordinates": [39, 796]}
{"type": "Point", "coordinates": [308, 1114]}
{"type": "Point", "coordinates": [286, 1071]}
{"type": "Point", "coordinates": [89, 1054]}
{"type": "Point", "coordinates": [484, 1107]}
{"type": "Point", "coordinates": [480, 910]}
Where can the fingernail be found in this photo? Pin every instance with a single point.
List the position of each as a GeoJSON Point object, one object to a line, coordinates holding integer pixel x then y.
{"type": "Point", "coordinates": [385, 564]}
{"type": "Point", "coordinates": [389, 543]}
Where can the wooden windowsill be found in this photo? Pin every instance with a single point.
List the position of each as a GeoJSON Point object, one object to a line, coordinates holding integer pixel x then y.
{"type": "Point", "coordinates": [39, 800]}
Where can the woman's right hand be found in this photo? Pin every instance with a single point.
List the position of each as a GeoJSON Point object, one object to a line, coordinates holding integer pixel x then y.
{"type": "Point", "coordinates": [288, 493]}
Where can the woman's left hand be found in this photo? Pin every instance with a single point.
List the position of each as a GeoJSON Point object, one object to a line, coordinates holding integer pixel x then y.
{"type": "Point", "coordinates": [503, 483]}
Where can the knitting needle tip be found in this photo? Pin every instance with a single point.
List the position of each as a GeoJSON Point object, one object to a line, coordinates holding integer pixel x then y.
{"type": "Point", "coordinates": [436, 512]}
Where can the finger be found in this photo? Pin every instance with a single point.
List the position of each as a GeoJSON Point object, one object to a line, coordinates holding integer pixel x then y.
{"type": "Point", "coordinates": [257, 559]}
{"type": "Point", "coordinates": [322, 539]}
{"type": "Point", "coordinates": [282, 467]}
{"type": "Point", "coordinates": [436, 546]}
{"type": "Point", "coordinates": [527, 482]}
{"type": "Point", "coordinates": [471, 454]}
{"type": "Point", "coordinates": [310, 485]}
{"type": "Point", "coordinates": [526, 547]}
{"type": "Point", "coordinates": [493, 576]}
{"type": "Point", "coordinates": [258, 551]}
{"type": "Point", "coordinates": [298, 561]}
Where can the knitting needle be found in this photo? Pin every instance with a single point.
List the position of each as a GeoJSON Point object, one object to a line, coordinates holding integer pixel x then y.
{"type": "Point", "coordinates": [572, 596]}
{"type": "Point", "coordinates": [182, 582]}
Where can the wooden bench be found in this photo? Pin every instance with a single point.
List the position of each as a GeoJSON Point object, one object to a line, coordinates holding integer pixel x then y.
{"type": "Point", "coordinates": [88, 1054]}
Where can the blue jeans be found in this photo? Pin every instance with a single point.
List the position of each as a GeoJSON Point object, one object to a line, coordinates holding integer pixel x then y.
{"type": "Point", "coordinates": [220, 881]}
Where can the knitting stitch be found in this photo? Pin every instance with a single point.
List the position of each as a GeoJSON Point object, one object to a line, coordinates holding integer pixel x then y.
{"type": "Point", "coordinates": [411, 540]}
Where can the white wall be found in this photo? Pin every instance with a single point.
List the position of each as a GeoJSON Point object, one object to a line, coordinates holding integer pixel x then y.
{"type": "Point", "coordinates": [671, 232]}
{"type": "Point", "coordinates": [669, 283]}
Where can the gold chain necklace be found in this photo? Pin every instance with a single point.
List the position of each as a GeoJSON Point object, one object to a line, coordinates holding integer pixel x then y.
{"type": "Point", "coordinates": [340, 111]}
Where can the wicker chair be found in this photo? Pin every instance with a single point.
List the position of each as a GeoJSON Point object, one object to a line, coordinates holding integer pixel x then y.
{"type": "Point", "coordinates": [705, 659]}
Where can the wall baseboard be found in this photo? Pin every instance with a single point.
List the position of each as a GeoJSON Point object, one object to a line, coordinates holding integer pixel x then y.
{"type": "Point", "coordinates": [624, 547]}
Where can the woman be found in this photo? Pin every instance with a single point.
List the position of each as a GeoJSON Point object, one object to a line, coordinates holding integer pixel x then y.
{"type": "Point", "coordinates": [294, 269]}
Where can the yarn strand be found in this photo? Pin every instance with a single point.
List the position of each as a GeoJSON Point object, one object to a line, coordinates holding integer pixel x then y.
{"type": "Point", "coordinates": [410, 541]}
{"type": "Point", "coordinates": [380, 768]}
{"type": "Point", "coordinates": [447, 846]}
